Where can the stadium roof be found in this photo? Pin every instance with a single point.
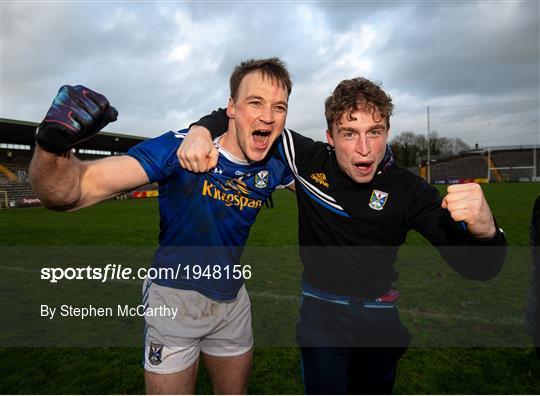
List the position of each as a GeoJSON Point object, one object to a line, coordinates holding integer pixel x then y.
{"type": "Point", "coordinates": [22, 132]}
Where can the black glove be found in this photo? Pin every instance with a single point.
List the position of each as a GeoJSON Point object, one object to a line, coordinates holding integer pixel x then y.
{"type": "Point", "coordinates": [76, 114]}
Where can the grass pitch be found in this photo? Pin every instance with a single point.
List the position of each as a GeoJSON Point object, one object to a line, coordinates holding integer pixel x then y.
{"type": "Point", "coordinates": [468, 336]}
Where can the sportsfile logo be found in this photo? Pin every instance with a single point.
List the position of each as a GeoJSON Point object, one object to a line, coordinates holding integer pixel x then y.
{"type": "Point", "coordinates": [231, 199]}
{"type": "Point", "coordinates": [320, 178]}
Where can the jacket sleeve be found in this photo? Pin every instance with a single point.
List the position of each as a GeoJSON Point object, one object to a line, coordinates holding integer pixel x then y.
{"type": "Point", "coordinates": [300, 152]}
{"type": "Point", "coordinates": [472, 258]}
{"type": "Point", "coordinates": [217, 122]}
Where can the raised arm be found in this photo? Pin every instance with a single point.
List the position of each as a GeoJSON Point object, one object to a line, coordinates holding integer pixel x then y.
{"type": "Point", "coordinates": [461, 227]}
{"type": "Point", "coordinates": [198, 154]}
{"type": "Point", "coordinates": [63, 182]}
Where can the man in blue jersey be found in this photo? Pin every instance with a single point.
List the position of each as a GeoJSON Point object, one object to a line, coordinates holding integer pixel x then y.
{"type": "Point", "coordinates": [205, 218]}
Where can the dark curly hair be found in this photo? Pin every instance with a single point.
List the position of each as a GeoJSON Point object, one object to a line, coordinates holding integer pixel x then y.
{"type": "Point", "coordinates": [273, 68]}
{"type": "Point", "coordinates": [357, 94]}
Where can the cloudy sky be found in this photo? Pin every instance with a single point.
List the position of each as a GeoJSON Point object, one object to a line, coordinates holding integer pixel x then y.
{"type": "Point", "coordinates": [164, 64]}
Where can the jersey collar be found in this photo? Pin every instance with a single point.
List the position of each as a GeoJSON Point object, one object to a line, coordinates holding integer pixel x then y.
{"type": "Point", "coordinates": [227, 154]}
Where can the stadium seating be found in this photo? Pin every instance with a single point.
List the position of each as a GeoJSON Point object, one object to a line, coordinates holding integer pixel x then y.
{"type": "Point", "coordinates": [19, 195]}
{"type": "Point", "coordinates": [468, 166]}
{"type": "Point", "coordinates": [15, 162]}
{"type": "Point", "coordinates": [511, 165]}
{"type": "Point", "coordinates": [513, 159]}
{"type": "Point", "coordinates": [19, 191]}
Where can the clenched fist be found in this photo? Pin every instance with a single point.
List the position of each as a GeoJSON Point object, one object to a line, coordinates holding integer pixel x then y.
{"type": "Point", "coordinates": [466, 202]}
{"type": "Point", "coordinates": [197, 153]}
{"type": "Point", "coordinates": [76, 114]}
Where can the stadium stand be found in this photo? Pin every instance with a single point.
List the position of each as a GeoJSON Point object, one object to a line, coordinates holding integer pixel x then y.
{"type": "Point", "coordinates": [16, 147]}
{"type": "Point", "coordinates": [507, 164]}
{"type": "Point", "coordinates": [515, 164]}
{"type": "Point", "coordinates": [467, 166]}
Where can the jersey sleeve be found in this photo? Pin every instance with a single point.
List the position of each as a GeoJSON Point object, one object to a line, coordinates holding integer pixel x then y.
{"type": "Point", "coordinates": [472, 258]}
{"type": "Point", "coordinates": [286, 177]}
{"type": "Point", "coordinates": [217, 122]}
{"type": "Point", "coordinates": [158, 156]}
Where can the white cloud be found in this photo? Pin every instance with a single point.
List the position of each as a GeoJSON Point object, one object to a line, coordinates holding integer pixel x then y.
{"type": "Point", "coordinates": [163, 64]}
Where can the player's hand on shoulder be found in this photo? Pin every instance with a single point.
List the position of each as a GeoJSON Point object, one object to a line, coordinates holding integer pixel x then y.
{"type": "Point", "coordinates": [466, 202]}
{"type": "Point", "coordinates": [197, 153]}
{"type": "Point", "coordinates": [76, 114]}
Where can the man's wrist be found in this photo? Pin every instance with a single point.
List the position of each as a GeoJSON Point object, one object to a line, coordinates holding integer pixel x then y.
{"type": "Point", "coordinates": [52, 143]}
{"type": "Point", "coordinates": [497, 238]}
{"type": "Point", "coordinates": [491, 233]}
{"type": "Point", "coordinates": [197, 128]}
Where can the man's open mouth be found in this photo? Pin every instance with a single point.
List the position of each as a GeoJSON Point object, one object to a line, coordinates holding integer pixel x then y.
{"type": "Point", "coordinates": [261, 138]}
{"type": "Point", "coordinates": [364, 167]}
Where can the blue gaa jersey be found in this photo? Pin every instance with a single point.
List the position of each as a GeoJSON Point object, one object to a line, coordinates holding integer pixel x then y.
{"type": "Point", "coordinates": [205, 218]}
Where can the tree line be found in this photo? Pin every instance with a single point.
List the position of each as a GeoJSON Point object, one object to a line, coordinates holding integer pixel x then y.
{"type": "Point", "coordinates": [411, 149]}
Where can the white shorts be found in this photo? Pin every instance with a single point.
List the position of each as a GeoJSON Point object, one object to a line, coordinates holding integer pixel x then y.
{"type": "Point", "coordinates": [214, 327]}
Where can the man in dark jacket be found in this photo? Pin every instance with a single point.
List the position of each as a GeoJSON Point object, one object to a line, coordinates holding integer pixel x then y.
{"type": "Point", "coordinates": [532, 320]}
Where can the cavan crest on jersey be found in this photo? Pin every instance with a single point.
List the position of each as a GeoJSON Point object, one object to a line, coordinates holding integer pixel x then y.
{"type": "Point", "coordinates": [205, 218]}
{"type": "Point", "coordinates": [154, 353]}
{"type": "Point", "coordinates": [378, 199]}
{"type": "Point", "coordinates": [261, 179]}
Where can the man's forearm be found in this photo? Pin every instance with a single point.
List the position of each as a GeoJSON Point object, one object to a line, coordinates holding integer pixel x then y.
{"type": "Point", "coordinates": [56, 178]}
{"type": "Point", "coordinates": [477, 259]}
